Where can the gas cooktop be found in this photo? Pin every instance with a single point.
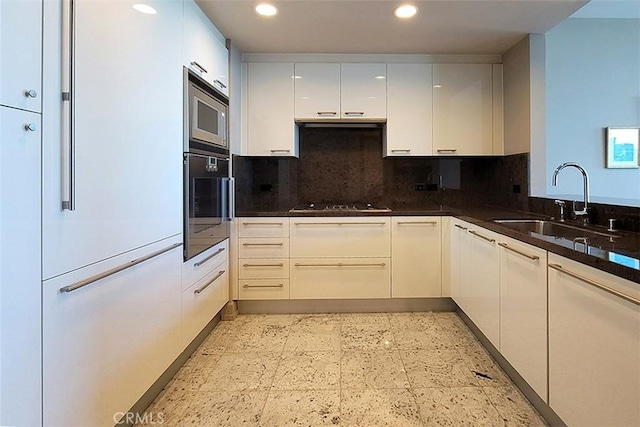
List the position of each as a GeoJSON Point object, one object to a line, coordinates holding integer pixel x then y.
{"type": "Point", "coordinates": [340, 207]}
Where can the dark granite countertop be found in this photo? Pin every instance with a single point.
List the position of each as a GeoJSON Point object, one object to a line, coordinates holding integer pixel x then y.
{"type": "Point", "coordinates": [620, 257]}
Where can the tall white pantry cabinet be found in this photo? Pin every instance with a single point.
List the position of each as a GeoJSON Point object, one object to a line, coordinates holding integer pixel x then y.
{"type": "Point", "coordinates": [20, 184]}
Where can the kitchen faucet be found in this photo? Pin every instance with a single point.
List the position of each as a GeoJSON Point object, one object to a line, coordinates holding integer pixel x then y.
{"type": "Point", "coordinates": [585, 179]}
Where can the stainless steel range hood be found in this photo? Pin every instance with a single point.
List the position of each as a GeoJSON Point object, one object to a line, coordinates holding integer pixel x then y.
{"type": "Point", "coordinates": [342, 123]}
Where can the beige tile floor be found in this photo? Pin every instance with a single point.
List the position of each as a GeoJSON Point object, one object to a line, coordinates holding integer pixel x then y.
{"type": "Point", "coordinates": [382, 369]}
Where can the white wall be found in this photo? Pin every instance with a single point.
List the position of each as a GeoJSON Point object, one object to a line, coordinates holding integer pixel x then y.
{"type": "Point", "coordinates": [592, 81]}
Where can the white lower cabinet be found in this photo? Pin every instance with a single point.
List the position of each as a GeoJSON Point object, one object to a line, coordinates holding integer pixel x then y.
{"type": "Point", "coordinates": [458, 270]}
{"type": "Point", "coordinates": [203, 263]}
{"type": "Point", "coordinates": [594, 346]}
{"type": "Point", "coordinates": [105, 344]}
{"type": "Point", "coordinates": [523, 311]}
{"type": "Point", "coordinates": [204, 300]}
{"type": "Point", "coordinates": [262, 289]}
{"type": "Point", "coordinates": [340, 278]}
{"type": "Point", "coordinates": [416, 257]}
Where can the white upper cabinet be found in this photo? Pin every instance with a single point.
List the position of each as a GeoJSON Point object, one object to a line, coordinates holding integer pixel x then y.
{"type": "Point", "coordinates": [317, 91]}
{"type": "Point", "coordinates": [21, 54]}
{"type": "Point", "coordinates": [127, 125]}
{"type": "Point", "coordinates": [204, 48]}
{"type": "Point", "coordinates": [363, 91]}
{"type": "Point", "coordinates": [463, 109]}
{"type": "Point", "coordinates": [271, 130]}
{"type": "Point", "coordinates": [409, 110]}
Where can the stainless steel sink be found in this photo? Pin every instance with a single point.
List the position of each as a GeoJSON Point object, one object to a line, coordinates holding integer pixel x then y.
{"type": "Point", "coordinates": [551, 229]}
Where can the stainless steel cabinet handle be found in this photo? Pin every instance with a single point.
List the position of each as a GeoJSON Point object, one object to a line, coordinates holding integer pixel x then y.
{"type": "Point", "coordinates": [262, 223]}
{"type": "Point", "coordinates": [327, 113]}
{"type": "Point", "coordinates": [262, 244]}
{"type": "Point", "coordinates": [339, 223]}
{"type": "Point", "coordinates": [280, 151]}
{"type": "Point", "coordinates": [67, 154]}
{"type": "Point", "coordinates": [447, 150]}
{"type": "Point", "coordinates": [264, 265]}
{"type": "Point", "coordinates": [31, 127]}
{"type": "Point", "coordinates": [354, 113]}
{"type": "Point", "coordinates": [118, 269]}
{"type": "Point", "coordinates": [418, 222]}
{"type": "Point", "coordinates": [30, 93]}
{"type": "Point", "coordinates": [210, 257]}
{"type": "Point", "coordinates": [533, 257]}
{"type": "Point", "coordinates": [595, 284]}
{"type": "Point", "coordinates": [199, 67]}
{"type": "Point", "coordinates": [279, 285]}
{"type": "Point", "coordinates": [219, 83]}
{"type": "Point", "coordinates": [400, 151]}
{"type": "Point", "coordinates": [460, 227]}
{"type": "Point", "coordinates": [475, 233]}
{"type": "Point", "coordinates": [206, 285]}
{"type": "Point", "coordinates": [341, 264]}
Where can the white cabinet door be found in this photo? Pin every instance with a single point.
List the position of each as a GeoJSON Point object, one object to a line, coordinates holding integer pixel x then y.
{"type": "Point", "coordinates": [271, 129]}
{"type": "Point", "coordinates": [483, 282]}
{"type": "Point", "coordinates": [409, 110]}
{"type": "Point", "coordinates": [106, 343]}
{"type": "Point", "coordinates": [317, 89]}
{"type": "Point", "coordinates": [20, 268]}
{"type": "Point", "coordinates": [127, 119]}
{"type": "Point", "coordinates": [21, 54]}
{"type": "Point", "coordinates": [594, 347]}
{"type": "Point", "coordinates": [462, 109]}
{"type": "Point", "coordinates": [415, 257]}
{"type": "Point", "coordinates": [363, 91]}
{"type": "Point", "coordinates": [458, 269]}
{"type": "Point", "coordinates": [523, 311]}
{"type": "Point", "coordinates": [204, 49]}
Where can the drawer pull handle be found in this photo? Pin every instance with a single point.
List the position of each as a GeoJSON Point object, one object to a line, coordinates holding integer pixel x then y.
{"type": "Point", "coordinates": [400, 151]}
{"type": "Point", "coordinates": [210, 257]}
{"type": "Point", "coordinates": [460, 227]}
{"type": "Point", "coordinates": [595, 284]}
{"type": "Point", "coordinates": [339, 223]}
{"type": "Point", "coordinates": [199, 67]}
{"type": "Point", "coordinates": [263, 265]}
{"type": "Point", "coordinates": [115, 270]}
{"type": "Point", "coordinates": [354, 113]}
{"type": "Point", "coordinates": [418, 222]}
{"type": "Point", "coordinates": [475, 233]}
{"type": "Point", "coordinates": [279, 285]}
{"type": "Point", "coordinates": [533, 257]}
{"type": "Point", "coordinates": [262, 223]}
{"type": "Point", "coordinates": [447, 150]}
{"type": "Point", "coordinates": [262, 244]}
{"type": "Point", "coordinates": [219, 83]}
{"type": "Point", "coordinates": [327, 113]}
{"type": "Point", "coordinates": [340, 264]}
{"type": "Point", "coordinates": [280, 151]}
{"type": "Point", "coordinates": [206, 285]}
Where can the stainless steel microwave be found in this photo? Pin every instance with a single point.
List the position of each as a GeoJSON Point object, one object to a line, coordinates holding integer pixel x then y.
{"type": "Point", "coordinates": [207, 118]}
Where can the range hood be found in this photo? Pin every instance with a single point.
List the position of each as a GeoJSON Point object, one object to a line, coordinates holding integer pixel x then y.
{"type": "Point", "coordinates": [342, 123]}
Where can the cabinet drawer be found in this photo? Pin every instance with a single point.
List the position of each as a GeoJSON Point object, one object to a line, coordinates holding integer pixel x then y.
{"type": "Point", "coordinates": [341, 237]}
{"type": "Point", "coordinates": [263, 227]}
{"type": "Point", "coordinates": [197, 267]}
{"type": "Point", "coordinates": [336, 278]}
{"type": "Point", "coordinates": [263, 247]}
{"type": "Point", "coordinates": [251, 268]}
{"type": "Point", "coordinates": [203, 300]}
{"type": "Point", "coordinates": [256, 289]}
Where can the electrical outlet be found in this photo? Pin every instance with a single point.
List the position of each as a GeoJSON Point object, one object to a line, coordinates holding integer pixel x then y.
{"type": "Point", "coordinates": [420, 187]}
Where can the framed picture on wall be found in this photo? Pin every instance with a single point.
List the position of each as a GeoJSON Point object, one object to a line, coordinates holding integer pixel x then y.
{"type": "Point", "coordinates": [622, 147]}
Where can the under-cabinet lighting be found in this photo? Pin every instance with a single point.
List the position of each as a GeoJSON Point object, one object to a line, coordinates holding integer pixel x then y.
{"type": "Point", "coordinates": [145, 8]}
{"type": "Point", "coordinates": [266, 9]}
{"type": "Point", "coordinates": [405, 11]}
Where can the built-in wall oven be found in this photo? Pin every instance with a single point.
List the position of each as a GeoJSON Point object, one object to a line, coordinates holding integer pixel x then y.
{"type": "Point", "coordinates": [207, 210]}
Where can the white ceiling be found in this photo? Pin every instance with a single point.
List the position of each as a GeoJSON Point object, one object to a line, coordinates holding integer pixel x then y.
{"type": "Point", "coordinates": [368, 26]}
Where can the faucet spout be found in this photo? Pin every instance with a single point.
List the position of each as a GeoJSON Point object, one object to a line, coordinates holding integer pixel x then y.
{"type": "Point", "coordinates": [585, 181]}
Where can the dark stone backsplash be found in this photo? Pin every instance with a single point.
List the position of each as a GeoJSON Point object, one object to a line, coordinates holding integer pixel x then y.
{"type": "Point", "coordinates": [338, 165]}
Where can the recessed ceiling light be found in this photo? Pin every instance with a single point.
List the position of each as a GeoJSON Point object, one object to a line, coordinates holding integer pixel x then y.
{"type": "Point", "coordinates": [405, 11]}
{"type": "Point", "coordinates": [380, 77]}
{"type": "Point", "coordinates": [145, 8]}
{"type": "Point", "coordinates": [266, 9]}
{"type": "Point", "coordinates": [437, 86]}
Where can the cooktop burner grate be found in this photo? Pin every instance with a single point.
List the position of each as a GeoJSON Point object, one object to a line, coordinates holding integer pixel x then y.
{"type": "Point", "coordinates": [340, 207]}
